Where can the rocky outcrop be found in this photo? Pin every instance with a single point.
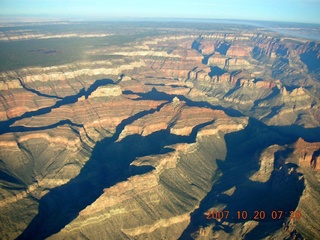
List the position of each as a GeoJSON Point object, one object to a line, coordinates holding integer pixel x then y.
{"type": "Point", "coordinates": [80, 70]}
{"type": "Point", "coordinates": [308, 154]}
{"type": "Point", "coordinates": [132, 197]}
{"type": "Point", "coordinates": [291, 108]}
{"type": "Point", "coordinates": [267, 161]}
{"type": "Point", "coordinates": [142, 142]}
{"type": "Point", "coordinates": [108, 91]}
{"type": "Point", "coordinates": [207, 47]}
{"type": "Point", "coordinates": [238, 51]}
{"type": "Point", "coordinates": [305, 154]}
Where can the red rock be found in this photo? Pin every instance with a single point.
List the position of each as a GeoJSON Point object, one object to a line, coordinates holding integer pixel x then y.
{"type": "Point", "coordinates": [207, 46]}
{"type": "Point", "coordinates": [265, 84]}
{"type": "Point", "coordinates": [304, 151]}
{"type": "Point", "coordinates": [224, 77]}
{"type": "Point", "coordinates": [236, 51]}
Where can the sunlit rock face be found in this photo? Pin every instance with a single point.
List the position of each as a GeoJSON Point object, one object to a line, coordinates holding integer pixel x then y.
{"type": "Point", "coordinates": [142, 139]}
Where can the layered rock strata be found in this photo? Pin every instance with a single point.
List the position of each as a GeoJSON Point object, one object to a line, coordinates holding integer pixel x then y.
{"type": "Point", "coordinates": [143, 144]}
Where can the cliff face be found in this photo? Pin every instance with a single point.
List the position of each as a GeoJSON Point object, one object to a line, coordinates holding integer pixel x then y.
{"type": "Point", "coordinates": [143, 143]}
{"type": "Point", "coordinates": [178, 183]}
{"type": "Point", "coordinates": [305, 155]}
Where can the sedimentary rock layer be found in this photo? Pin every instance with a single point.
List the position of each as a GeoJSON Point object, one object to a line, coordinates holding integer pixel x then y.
{"type": "Point", "coordinates": [145, 141]}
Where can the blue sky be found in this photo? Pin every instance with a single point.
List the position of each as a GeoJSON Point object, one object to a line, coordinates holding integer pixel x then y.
{"type": "Point", "coordinates": [274, 10]}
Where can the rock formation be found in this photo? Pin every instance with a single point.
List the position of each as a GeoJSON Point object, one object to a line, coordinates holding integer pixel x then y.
{"type": "Point", "coordinates": [141, 139]}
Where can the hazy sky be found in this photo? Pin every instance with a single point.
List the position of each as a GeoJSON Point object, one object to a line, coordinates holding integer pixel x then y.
{"type": "Point", "coordinates": [274, 10]}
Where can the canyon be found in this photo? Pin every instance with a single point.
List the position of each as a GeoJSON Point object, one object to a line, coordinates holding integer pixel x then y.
{"type": "Point", "coordinates": [154, 127]}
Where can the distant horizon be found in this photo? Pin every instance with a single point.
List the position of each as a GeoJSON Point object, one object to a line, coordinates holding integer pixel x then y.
{"type": "Point", "coordinates": [309, 31]}
{"type": "Point", "coordinates": [48, 19]}
{"type": "Point", "coordinates": [291, 11]}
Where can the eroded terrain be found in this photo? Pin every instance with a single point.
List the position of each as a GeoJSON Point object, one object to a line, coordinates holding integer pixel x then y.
{"type": "Point", "coordinates": [151, 129]}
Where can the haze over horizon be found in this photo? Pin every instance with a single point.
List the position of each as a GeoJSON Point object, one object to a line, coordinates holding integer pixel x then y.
{"type": "Point", "coordinates": [304, 11]}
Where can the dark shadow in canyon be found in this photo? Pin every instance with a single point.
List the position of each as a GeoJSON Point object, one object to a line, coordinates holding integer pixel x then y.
{"type": "Point", "coordinates": [108, 165]}
{"type": "Point", "coordinates": [36, 91]}
{"type": "Point", "coordinates": [282, 51]}
{"type": "Point", "coordinates": [196, 44]}
{"type": "Point", "coordinates": [216, 71]}
{"type": "Point", "coordinates": [280, 192]}
{"type": "Point", "coordinates": [5, 126]}
{"type": "Point", "coordinates": [60, 123]}
{"type": "Point", "coordinates": [156, 95]}
{"type": "Point", "coordinates": [274, 111]}
{"type": "Point", "coordinates": [293, 131]}
{"type": "Point", "coordinates": [155, 84]}
{"type": "Point", "coordinates": [10, 182]}
{"type": "Point", "coordinates": [290, 131]}
{"type": "Point", "coordinates": [206, 58]}
{"type": "Point", "coordinates": [222, 48]}
{"type": "Point", "coordinates": [314, 159]}
{"type": "Point", "coordinates": [311, 60]}
{"type": "Point", "coordinates": [163, 85]}
{"type": "Point", "coordinates": [275, 92]}
{"type": "Point", "coordinates": [258, 54]}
